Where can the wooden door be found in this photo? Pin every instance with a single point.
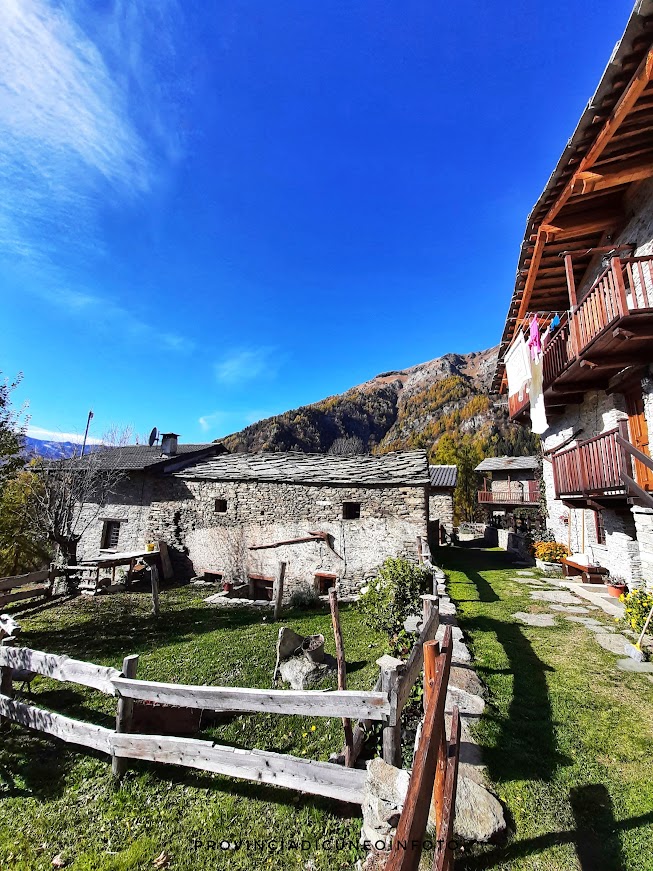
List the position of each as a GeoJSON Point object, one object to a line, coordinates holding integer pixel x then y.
{"type": "Point", "coordinates": [638, 429]}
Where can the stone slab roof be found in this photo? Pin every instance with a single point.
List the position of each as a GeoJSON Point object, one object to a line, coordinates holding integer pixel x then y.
{"type": "Point", "coordinates": [443, 476]}
{"type": "Point", "coordinates": [507, 464]}
{"type": "Point", "coordinates": [405, 467]}
{"type": "Point", "coordinates": [137, 458]}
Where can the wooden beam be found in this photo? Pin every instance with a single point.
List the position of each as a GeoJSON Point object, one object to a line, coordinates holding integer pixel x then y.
{"type": "Point", "coordinates": [310, 703]}
{"type": "Point", "coordinates": [71, 731]}
{"type": "Point", "coordinates": [60, 668]}
{"type": "Point", "coordinates": [342, 673]}
{"type": "Point", "coordinates": [277, 769]}
{"type": "Point", "coordinates": [587, 182]}
{"type": "Point", "coordinates": [124, 714]}
{"type": "Point", "coordinates": [24, 580]}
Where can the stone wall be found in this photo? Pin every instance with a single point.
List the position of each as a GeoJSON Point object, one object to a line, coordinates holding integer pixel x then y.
{"type": "Point", "coordinates": [130, 505]}
{"type": "Point", "coordinates": [183, 513]}
{"type": "Point", "coordinates": [441, 508]}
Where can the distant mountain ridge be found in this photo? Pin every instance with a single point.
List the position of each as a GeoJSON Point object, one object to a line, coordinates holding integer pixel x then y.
{"type": "Point", "coordinates": [52, 450]}
{"type": "Point", "coordinates": [398, 410]}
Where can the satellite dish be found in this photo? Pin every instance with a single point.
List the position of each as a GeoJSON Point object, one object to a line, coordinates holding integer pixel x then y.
{"type": "Point", "coordinates": [153, 436]}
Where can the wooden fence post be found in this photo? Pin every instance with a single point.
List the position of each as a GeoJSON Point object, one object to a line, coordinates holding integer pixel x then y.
{"type": "Point", "coordinates": [6, 686]}
{"type": "Point", "coordinates": [342, 674]}
{"type": "Point", "coordinates": [278, 590]}
{"type": "Point", "coordinates": [430, 603]}
{"type": "Point", "coordinates": [431, 655]}
{"type": "Point", "coordinates": [154, 575]}
{"type": "Point", "coordinates": [124, 714]}
{"type": "Point", "coordinates": [389, 666]}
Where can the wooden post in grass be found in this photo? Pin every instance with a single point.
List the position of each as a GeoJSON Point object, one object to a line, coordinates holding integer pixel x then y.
{"type": "Point", "coordinates": [342, 673]}
{"type": "Point", "coordinates": [6, 686]}
{"type": "Point", "coordinates": [431, 653]}
{"type": "Point", "coordinates": [154, 575]}
{"type": "Point", "coordinates": [278, 590]}
{"type": "Point", "coordinates": [124, 714]}
{"type": "Point", "coordinates": [389, 666]}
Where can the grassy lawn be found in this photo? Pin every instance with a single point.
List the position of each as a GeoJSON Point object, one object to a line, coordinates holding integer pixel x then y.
{"type": "Point", "coordinates": [56, 798]}
{"type": "Point", "coordinates": [567, 737]}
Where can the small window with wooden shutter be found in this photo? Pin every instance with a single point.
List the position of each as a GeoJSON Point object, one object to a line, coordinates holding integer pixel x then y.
{"type": "Point", "coordinates": [600, 528]}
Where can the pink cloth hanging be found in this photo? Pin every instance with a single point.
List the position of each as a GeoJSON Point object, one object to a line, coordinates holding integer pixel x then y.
{"type": "Point", "coordinates": [534, 341]}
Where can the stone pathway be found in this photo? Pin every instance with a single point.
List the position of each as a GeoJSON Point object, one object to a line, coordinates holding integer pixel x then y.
{"type": "Point", "coordinates": [574, 609]}
{"type": "Point", "coordinates": [543, 620]}
{"type": "Point", "coordinates": [559, 597]}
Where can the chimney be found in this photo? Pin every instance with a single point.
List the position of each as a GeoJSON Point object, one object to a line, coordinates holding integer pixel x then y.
{"type": "Point", "coordinates": [169, 443]}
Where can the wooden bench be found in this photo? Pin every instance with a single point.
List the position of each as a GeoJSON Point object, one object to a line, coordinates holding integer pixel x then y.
{"type": "Point", "coordinates": [590, 574]}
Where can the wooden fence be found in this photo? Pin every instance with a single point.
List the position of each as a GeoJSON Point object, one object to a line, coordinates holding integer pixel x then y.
{"type": "Point", "coordinates": [30, 586]}
{"type": "Point", "coordinates": [317, 778]}
{"type": "Point", "coordinates": [434, 776]}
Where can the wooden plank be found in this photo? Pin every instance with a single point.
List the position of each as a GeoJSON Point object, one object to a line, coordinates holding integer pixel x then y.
{"type": "Point", "coordinates": [390, 666]}
{"type": "Point", "coordinates": [444, 858]}
{"type": "Point", "coordinates": [315, 778]}
{"type": "Point", "coordinates": [61, 668]}
{"type": "Point", "coordinates": [413, 667]}
{"type": "Point", "coordinates": [154, 580]}
{"type": "Point", "coordinates": [71, 731]}
{"type": "Point", "coordinates": [23, 580]}
{"type": "Point", "coordinates": [315, 703]}
{"type": "Point", "coordinates": [24, 594]}
{"type": "Point", "coordinates": [342, 672]}
{"type": "Point", "coordinates": [124, 714]}
{"type": "Point", "coordinates": [278, 590]}
{"type": "Point", "coordinates": [413, 819]}
{"type": "Point", "coordinates": [166, 564]}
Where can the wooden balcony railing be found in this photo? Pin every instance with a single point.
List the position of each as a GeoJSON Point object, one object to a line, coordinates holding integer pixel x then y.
{"type": "Point", "coordinates": [517, 405]}
{"type": "Point", "coordinates": [559, 352]}
{"type": "Point", "coordinates": [592, 467]}
{"type": "Point", "coordinates": [528, 496]}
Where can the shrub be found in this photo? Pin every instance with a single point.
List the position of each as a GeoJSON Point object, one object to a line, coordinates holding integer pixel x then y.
{"type": "Point", "coordinates": [306, 598]}
{"type": "Point", "coordinates": [550, 551]}
{"type": "Point", "coordinates": [638, 604]}
{"type": "Point", "coordinates": [393, 595]}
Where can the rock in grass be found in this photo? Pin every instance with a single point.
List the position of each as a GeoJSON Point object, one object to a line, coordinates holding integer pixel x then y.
{"type": "Point", "coordinates": [479, 814]}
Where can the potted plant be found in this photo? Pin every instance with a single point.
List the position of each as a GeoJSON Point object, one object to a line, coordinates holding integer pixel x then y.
{"type": "Point", "coordinates": [616, 586]}
{"type": "Point", "coordinates": [549, 556]}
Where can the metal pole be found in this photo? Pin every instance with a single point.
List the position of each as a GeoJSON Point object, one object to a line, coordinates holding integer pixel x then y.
{"type": "Point", "coordinates": [88, 421]}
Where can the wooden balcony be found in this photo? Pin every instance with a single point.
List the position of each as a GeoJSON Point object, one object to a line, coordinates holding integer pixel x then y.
{"type": "Point", "coordinates": [610, 328]}
{"type": "Point", "coordinates": [593, 468]}
{"type": "Point", "coordinates": [530, 495]}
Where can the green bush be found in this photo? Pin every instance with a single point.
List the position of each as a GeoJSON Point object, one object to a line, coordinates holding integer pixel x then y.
{"type": "Point", "coordinates": [393, 596]}
{"type": "Point", "coordinates": [638, 603]}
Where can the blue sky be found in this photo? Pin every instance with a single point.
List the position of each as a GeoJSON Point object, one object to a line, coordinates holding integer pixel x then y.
{"type": "Point", "coordinates": [212, 212]}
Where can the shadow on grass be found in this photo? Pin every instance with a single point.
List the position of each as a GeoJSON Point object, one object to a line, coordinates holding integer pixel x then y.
{"type": "Point", "coordinates": [525, 747]}
{"type": "Point", "coordinates": [32, 766]}
{"type": "Point", "coordinates": [595, 837]}
{"type": "Point", "coordinates": [113, 633]}
{"type": "Point", "coordinates": [472, 561]}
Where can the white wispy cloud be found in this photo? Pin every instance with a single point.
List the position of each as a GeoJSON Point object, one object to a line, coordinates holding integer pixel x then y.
{"type": "Point", "coordinates": [229, 421]}
{"type": "Point", "coordinates": [50, 435]}
{"type": "Point", "coordinates": [85, 124]}
{"type": "Point", "coordinates": [247, 364]}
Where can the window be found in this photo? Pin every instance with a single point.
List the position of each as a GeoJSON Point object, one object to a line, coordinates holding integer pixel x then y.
{"type": "Point", "coordinates": [110, 534]}
{"type": "Point", "coordinates": [351, 510]}
{"type": "Point", "coordinates": [324, 582]}
{"type": "Point", "coordinates": [600, 528]}
{"type": "Point", "coordinates": [220, 506]}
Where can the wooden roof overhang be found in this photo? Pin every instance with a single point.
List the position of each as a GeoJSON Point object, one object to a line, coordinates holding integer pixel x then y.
{"type": "Point", "coordinates": [583, 205]}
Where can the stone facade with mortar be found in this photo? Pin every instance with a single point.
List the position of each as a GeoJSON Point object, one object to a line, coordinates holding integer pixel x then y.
{"type": "Point", "coordinates": [226, 526]}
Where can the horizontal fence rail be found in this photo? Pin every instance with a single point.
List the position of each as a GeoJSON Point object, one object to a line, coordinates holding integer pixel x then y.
{"type": "Point", "coordinates": [305, 775]}
{"type": "Point", "coordinates": [61, 668]}
{"type": "Point", "coordinates": [316, 703]}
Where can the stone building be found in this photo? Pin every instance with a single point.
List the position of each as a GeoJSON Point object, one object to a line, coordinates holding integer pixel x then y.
{"type": "Point", "coordinates": [235, 517]}
{"type": "Point", "coordinates": [508, 483]}
{"type": "Point", "coordinates": [585, 274]}
{"type": "Point", "coordinates": [441, 509]}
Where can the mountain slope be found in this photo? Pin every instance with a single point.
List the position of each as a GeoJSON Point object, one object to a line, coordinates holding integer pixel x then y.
{"type": "Point", "coordinates": [409, 408]}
